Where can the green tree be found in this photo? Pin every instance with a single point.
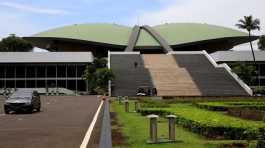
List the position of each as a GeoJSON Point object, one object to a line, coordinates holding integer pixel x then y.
{"type": "Point", "coordinates": [97, 76]}
{"type": "Point", "coordinates": [261, 43]}
{"type": "Point", "coordinates": [100, 62]}
{"type": "Point", "coordinates": [250, 24]}
{"type": "Point", "coordinates": [103, 76]}
{"type": "Point", "coordinates": [12, 43]}
{"type": "Point", "coordinates": [245, 72]}
{"type": "Point", "coordinates": [89, 77]}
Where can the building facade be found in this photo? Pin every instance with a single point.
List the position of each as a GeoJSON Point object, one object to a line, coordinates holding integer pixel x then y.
{"type": "Point", "coordinates": [44, 70]}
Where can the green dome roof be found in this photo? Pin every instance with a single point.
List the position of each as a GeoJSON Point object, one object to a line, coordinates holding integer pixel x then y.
{"type": "Point", "coordinates": [174, 34]}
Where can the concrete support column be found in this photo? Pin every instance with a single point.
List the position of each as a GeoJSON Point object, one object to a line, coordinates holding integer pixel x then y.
{"type": "Point", "coordinates": [171, 127]}
{"type": "Point", "coordinates": [152, 128]}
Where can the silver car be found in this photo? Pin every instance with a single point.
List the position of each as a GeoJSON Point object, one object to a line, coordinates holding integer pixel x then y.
{"type": "Point", "coordinates": [26, 100]}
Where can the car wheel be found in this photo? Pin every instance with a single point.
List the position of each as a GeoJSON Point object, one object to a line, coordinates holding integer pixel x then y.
{"type": "Point", "coordinates": [38, 109]}
{"type": "Point", "coordinates": [6, 111]}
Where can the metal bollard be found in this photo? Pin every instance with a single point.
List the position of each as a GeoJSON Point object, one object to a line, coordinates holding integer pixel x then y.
{"type": "Point", "coordinates": [126, 106]}
{"type": "Point", "coordinates": [136, 106]}
{"type": "Point", "coordinates": [171, 127]}
{"type": "Point", "coordinates": [153, 128]}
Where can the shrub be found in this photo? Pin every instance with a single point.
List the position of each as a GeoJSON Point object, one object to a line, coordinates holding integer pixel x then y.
{"type": "Point", "coordinates": [156, 111]}
{"type": "Point", "coordinates": [215, 125]}
{"type": "Point", "coordinates": [149, 103]}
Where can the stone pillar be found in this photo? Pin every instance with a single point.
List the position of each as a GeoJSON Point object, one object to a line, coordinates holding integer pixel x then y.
{"type": "Point", "coordinates": [152, 128]}
{"type": "Point", "coordinates": [126, 106]}
{"type": "Point", "coordinates": [171, 127]}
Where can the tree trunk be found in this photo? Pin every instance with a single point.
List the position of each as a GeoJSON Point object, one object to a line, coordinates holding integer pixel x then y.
{"type": "Point", "coordinates": [254, 58]}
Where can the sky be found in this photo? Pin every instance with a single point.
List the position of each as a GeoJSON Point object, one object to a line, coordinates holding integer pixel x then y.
{"type": "Point", "coordinates": [26, 17]}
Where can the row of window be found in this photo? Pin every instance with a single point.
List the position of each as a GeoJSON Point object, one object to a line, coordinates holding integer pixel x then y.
{"type": "Point", "coordinates": [69, 84]}
{"type": "Point", "coordinates": [22, 71]}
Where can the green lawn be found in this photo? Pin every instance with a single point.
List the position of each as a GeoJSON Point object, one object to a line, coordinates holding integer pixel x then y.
{"type": "Point", "coordinates": [135, 128]}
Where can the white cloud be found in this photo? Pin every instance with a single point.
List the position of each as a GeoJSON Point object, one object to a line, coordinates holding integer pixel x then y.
{"type": "Point", "coordinates": [15, 24]}
{"type": "Point", "coordinates": [218, 12]}
{"type": "Point", "coordinates": [33, 9]}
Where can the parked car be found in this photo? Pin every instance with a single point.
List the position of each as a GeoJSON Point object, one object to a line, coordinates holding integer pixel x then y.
{"type": "Point", "coordinates": [26, 100]}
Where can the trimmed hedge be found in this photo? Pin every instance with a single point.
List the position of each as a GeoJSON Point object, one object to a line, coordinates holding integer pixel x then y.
{"type": "Point", "coordinates": [224, 106]}
{"type": "Point", "coordinates": [215, 125]}
{"type": "Point", "coordinates": [149, 103]}
{"type": "Point", "coordinates": [157, 111]}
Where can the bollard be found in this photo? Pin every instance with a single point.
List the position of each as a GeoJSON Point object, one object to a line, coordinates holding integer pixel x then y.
{"type": "Point", "coordinates": [171, 127]}
{"type": "Point", "coordinates": [126, 106]}
{"type": "Point", "coordinates": [136, 106]}
{"type": "Point", "coordinates": [153, 128]}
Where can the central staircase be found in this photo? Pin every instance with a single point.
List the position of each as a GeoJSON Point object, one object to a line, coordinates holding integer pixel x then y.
{"type": "Point", "coordinates": [168, 78]}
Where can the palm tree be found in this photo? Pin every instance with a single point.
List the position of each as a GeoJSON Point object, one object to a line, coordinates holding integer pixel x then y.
{"type": "Point", "coordinates": [250, 24]}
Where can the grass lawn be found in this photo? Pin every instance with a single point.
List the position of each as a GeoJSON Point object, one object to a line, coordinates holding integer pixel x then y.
{"type": "Point", "coordinates": [134, 128]}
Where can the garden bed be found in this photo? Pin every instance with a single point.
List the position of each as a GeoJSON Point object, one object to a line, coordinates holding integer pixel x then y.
{"type": "Point", "coordinates": [134, 129]}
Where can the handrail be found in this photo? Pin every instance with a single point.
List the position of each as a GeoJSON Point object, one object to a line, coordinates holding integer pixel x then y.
{"type": "Point", "coordinates": [234, 75]}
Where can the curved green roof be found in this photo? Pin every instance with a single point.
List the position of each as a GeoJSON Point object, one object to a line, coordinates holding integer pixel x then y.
{"type": "Point", "coordinates": [174, 34]}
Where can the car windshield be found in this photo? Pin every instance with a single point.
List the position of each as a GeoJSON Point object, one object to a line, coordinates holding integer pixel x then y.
{"type": "Point", "coordinates": [20, 98]}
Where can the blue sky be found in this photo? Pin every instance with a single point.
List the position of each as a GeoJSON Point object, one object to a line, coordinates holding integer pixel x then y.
{"type": "Point", "coordinates": [26, 17]}
{"type": "Point", "coordinates": [39, 15]}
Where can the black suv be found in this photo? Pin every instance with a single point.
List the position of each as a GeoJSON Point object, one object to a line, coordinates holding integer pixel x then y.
{"type": "Point", "coordinates": [23, 100]}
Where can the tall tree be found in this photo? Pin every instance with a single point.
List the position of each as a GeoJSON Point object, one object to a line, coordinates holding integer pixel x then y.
{"type": "Point", "coordinates": [261, 43]}
{"type": "Point", "coordinates": [250, 24]}
{"type": "Point", "coordinates": [12, 43]}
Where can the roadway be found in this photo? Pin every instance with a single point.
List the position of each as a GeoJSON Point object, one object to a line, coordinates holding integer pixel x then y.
{"type": "Point", "coordinates": [62, 123]}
